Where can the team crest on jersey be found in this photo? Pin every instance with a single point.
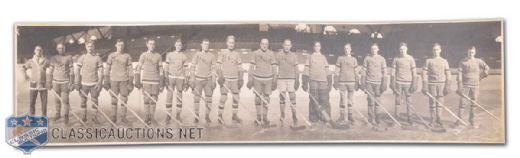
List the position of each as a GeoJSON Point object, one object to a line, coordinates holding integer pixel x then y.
{"type": "Point", "coordinates": [26, 132]}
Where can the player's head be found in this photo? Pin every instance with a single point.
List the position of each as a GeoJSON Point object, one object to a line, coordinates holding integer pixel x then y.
{"type": "Point", "coordinates": [178, 45]}
{"type": "Point", "coordinates": [472, 51]}
{"type": "Point", "coordinates": [230, 42]}
{"type": "Point", "coordinates": [264, 44]}
{"type": "Point", "coordinates": [374, 49]}
{"type": "Point", "coordinates": [437, 50]}
{"type": "Point", "coordinates": [120, 45]}
{"type": "Point", "coordinates": [317, 46]}
{"type": "Point", "coordinates": [348, 49]}
{"type": "Point", "coordinates": [38, 50]}
{"type": "Point", "coordinates": [90, 46]}
{"type": "Point", "coordinates": [403, 48]}
{"type": "Point", "coordinates": [204, 45]}
{"type": "Point", "coordinates": [150, 44]}
{"type": "Point", "coordinates": [60, 47]}
{"type": "Point", "coordinates": [287, 45]}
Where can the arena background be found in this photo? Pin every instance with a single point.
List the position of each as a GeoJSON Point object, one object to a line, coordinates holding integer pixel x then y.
{"type": "Point", "coordinates": [454, 37]}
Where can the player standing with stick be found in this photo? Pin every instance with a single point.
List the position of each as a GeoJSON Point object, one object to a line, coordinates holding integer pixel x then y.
{"type": "Point", "coordinates": [373, 81]}
{"type": "Point", "coordinates": [89, 79]}
{"type": "Point", "coordinates": [346, 81]}
{"type": "Point", "coordinates": [288, 79]}
{"type": "Point", "coordinates": [471, 71]}
{"type": "Point", "coordinates": [119, 79]}
{"type": "Point", "coordinates": [149, 76]}
{"type": "Point", "coordinates": [230, 79]}
{"type": "Point", "coordinates": [262, 76]}
{"type": "Point", "coordinates": [403, 81]}
{"type": "Point", "coordinates": [436, 79]}
{"type": "Point", "coordinates": [176, 79]}
{"type": "Point", "coordinates": [62, 77]}
{"type": "Point", "coordinates": [203, 78]}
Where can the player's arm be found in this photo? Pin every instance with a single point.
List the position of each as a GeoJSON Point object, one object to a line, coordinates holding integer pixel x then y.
{"type": "Point", "coordinates": [130, 72]}
{"type": "Point", "coordinates": [305, 75]}
{"type": "Point", "coordinates": [296, 74]}
{"type": "Point", "coordinates": [274, 67]}
{"type": "Point", "coordinates": [79, 66]}
{"type": "Point", "coordinates": [161, 73]}
{"type": "Point", "coordinates": [413, 68]}
{"type": "Point", "coordinates": [99, 73]}
{"type": "Point", "coordinates": [460, 72]}
{"type": "Point", "coordinates": [71, 72]}
{"type": "Point", "coordinates": [393, 75]}
{"type": "Point", "coordinates": [329, 73]}
{"type": "Point", "coordinates": [240, 72]}
{"type": "Point", "coordinates": [26, 66]}
{"type": "Point", "coordinates": [448, 78]}
{"type": "Point", "coordinates": [49, 77]}
{"type": "Point", "coordinates": [484, 68]}
{"type": "Point", "coordinates": [364, 71]}
{"type": "Point", "coordinates": [425, 76]}
{"type": "Point", "coordinates": [384, 80]}
{"type": "Point", "coordinates": [106, 78]}
{"type": "Point", "coordinates": [137, 72]}
{"type": "Point", "coordinates": [167, 65]}
{"type": "Point", "coordinates": [252, 67]}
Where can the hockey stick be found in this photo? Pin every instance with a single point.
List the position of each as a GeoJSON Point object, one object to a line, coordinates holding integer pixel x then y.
{"type": "Point", "coordinates": [128, 107]}
{"type": "Point", "coordinates": [70, 109]}
{"type": "Point", "coordinates": [298, 113]}
{"type": "Point", "coordinates": [98, 108]}
{"type": "Point", "coordinates": [178, 98]}
{"type": "Point", "coordinates": [480, 106]}
{"type": "Point", "coordinates": [261, 98]}
{"type": "Point", "coordinates": [419, 116]}
{"type": "Point", "coordinates": [382, 107]}
{"type": "Point", "coordinates": [363, 116]}
{"type": "Point", "coordinates": [445, 108]}
{"type": "Point", "coordinates": [327, 116]}
{"type": "Point", "coordinates": [156, 102]}
{"type": "Point", "coordinates": [242, 105]}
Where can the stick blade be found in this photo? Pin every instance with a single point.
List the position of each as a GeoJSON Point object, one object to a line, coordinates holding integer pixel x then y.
{"type": "Point", "coordinates": [297, 128]}
{"type": "Point", "coordinates": [438, 130]}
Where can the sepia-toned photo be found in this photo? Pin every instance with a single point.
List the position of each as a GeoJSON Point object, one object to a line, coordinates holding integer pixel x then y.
{"type": "Point", "coordinates": [308, 82]}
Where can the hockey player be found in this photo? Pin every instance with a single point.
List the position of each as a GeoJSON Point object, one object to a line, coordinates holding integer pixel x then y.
{"type": "Point", "coordinates": [176, 79]}
{"type": "Point", "coordinates": [436, 79]}
{"type": "Point", "coordinates": [317, 78]}
{"type": "Point", "coordinates": [230, 78]}
{"type": "Point", "coordinates": [38, 65]}
{"type": "Point", "coordinates": [288, 79]}
{"type": "Point", "coordinates": [203, 78]}
{"type": "Point", "coordinates": [373, 81]}
{"type": "Point", "coordinates": [89, 79]}
{"type": "Point", "coordinates": [118, 78]}
{"type": "Point", "coordinates": [62, 78]}
{"type": "Point", "coordinates": [403, 80]}
{"type": "Point", "coordinates": [262, 73]}
{"type": "Point", "coordinates": [347, 81]}
{"type": "Point", "coordinates": [471, 71]}
{"type": "Point", "coordinates": [149, 76]}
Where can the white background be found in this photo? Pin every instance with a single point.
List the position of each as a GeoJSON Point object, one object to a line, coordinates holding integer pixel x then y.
{"type": "Point", "coordinates": [261, 10]}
